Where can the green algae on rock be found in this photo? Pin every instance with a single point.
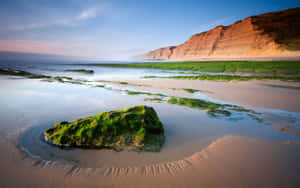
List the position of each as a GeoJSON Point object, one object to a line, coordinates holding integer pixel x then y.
{"type": "Point", "coordinates": [214, 109]}
{"type": "Point", "coordinates": [9, 72]}
{"type": "Point", "coordinates": [224, 77]}
{"type": "Point", "coordinates": [80, 70]}
{"type": "Point", "coordinates": [156, 99]}
{"type": "Point", "coordinates": [210, 107]}
{"type": "Point", "coordinates": [189, 90]}
{"type": "Point", "coordinates": [137, 128]}
{"type": "Point", "coordinates": [144, 93]}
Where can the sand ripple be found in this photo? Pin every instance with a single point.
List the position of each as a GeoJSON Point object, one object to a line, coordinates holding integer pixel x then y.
{"type": "Point", "coordinates": [167, 168]}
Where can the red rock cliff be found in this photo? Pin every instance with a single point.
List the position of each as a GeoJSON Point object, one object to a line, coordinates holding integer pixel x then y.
{"type": "Point", "coordinates": [271, 34]}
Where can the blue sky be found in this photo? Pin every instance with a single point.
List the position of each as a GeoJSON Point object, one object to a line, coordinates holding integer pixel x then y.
{"type": "Point", "coordinates": [116, 29]}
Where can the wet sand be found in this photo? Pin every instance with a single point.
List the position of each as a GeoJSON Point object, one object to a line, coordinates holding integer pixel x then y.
{"type": "Point", "coordinates": [230, 161]}
{"type": "Point", "coordinates": [198, 153]}
{"type": "Point", "coordinates": [249, 95]}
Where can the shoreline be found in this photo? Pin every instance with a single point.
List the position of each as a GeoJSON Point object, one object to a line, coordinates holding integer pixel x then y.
{"type": "Point", "coordinates": [220, 163]}
{"type": "Point", "coordinates": [273, 68]}
{"type": "Point", "coordinates": [285, 57]}
{"type": "Point", "coordinates": [202, 169]}
{"type": "Point", "coordinates": [251, 95]}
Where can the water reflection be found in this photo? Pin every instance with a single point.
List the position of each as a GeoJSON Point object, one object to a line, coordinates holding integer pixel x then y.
{"type": "Point", "coordinates": [33, 106]}
{"type": "Point", "coordinates": [185, 134]}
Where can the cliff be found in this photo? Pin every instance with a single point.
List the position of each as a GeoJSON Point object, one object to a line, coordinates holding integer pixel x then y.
{"type": "Point", "coordinates": [265, 35]}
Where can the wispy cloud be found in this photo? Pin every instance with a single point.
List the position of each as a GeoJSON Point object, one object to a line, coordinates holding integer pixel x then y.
{"type": "Point", "coordinates": [23, 27]}
{"type": "Point", "coordinates": [88, 13]}
{"type": "Point", "coordinates": [67, 21]}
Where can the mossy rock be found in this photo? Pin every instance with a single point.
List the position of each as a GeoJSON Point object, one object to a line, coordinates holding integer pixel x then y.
{"type": "Point", "coordinates": [137, 128]}
{"type": "Point", "coordinates": [214, 109]}
{"type": "Point", "coordinates": [22, 73]}
{"type": "Point", "coordinates": [80, 70]}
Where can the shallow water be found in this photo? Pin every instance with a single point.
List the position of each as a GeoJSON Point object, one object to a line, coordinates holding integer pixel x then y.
{"type": "Point", "coordinates": [100, 73]}
{"type": "Point", "coordinates": [28, 107]}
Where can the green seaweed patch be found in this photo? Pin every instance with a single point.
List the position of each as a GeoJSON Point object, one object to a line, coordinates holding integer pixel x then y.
{"type": "Point", "coordinates": [189, 90]}
{"type": "Point", "coordinates": [62, 79]}
{"type": "Point", "coordinates": [195, 90]}
{"type": "Point", "coordinates": [80, 70]}
{"type": "Point", "coordinates": [156, 99]}
{"type": "Point", "coordinates": [194, 103]}
{"type": "Point", "coordinates": [29, 75]}
{"type": "Point", "coordinates": [262, 67]}
{"type": "Point", "coordinates": [48, 80]}
{"type": "Point", "coordinates": [14, 72]}
{"type": "Point", "coordinates": [123, 83]}
{"type": "Point", "coordinates": [230, 77]}
{"type": "Point", "coordinates": [38, 76]}
{"type": "Point", "coordinates": [65, 79]}
{"type": "Point", "coordinates": [216, 112]}
{"type": "Point", "coordinates": [154, 77]}
{"type": "Point", "coordinates": [78, 82]}
{"type": "Point", "coordinates": [137, 128]}
{"type": "Point", "coordinates": [144, 93]}
{"type": "Point", "coordinates": [22, 73]}
{"type": "Point", "coordinates": [214, 109]}
{"type": "Point", "coordinates": [59, 79]}
{"type": "Point", "coordinates": [102, 86]}
{"type": "Point", "coordinates": [255, 117]}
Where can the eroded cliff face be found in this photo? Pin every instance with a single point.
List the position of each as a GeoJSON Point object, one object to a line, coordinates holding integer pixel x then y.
{"type": "Point", "coordinates": [272, 34]}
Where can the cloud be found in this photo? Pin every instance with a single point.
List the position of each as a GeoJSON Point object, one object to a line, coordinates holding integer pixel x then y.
{"type": "Point", "coordinates": [23, 27]}
{"type": "Point", "coordinates": [67, 21]}
{"type": "Point", "coordinates": [88, 13]}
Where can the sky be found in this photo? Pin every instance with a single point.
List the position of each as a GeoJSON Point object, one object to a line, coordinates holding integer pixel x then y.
{"type": "Point", "coordinates": [117, 29]}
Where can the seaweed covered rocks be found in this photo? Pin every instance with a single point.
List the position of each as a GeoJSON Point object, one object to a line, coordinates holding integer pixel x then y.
{"type": "Point", "coordinates": [136, 128]}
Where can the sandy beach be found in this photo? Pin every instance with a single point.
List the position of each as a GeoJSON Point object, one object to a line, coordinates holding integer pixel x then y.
{"type": "Point", "coordinates": [149, 94]}
{"type": "Point", "coordinates": [228, 162]}
{"type": "Point", "coordinates": [250, 94]}
{"type": "Point", "coordinates": [199, 150]}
